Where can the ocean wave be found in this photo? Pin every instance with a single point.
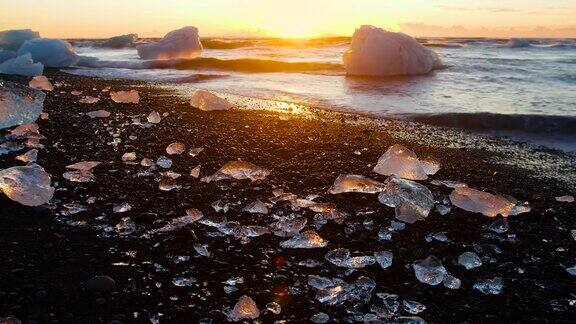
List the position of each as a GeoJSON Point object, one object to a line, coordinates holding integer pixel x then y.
{"type": "Point", "coordinates": [209, 63]}
{"type": "Point", "coordinates": [540, 124]}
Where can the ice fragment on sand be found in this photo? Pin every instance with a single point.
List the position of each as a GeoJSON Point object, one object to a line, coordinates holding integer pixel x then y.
{"type": "Point", "coordinates": [130, 96]}
{"type": "Point", "coordinates": [13, 39]}
{"type": "Point", "coordinates": [571, 270]}
{"type": "Point", "coordinates": [320, 282]}
{"type": "Point", "coordinates": [306, 240]}
{"type": "Point", "coordinates": [28, 185]}
{"type": "Point", "coordinates": [21, 65]}
{"type": "Point", "coordinates": [451, 282]}
{"type": "Point", "coordinates": [50, 52]}
{"type": "Point", "coordinates": [430, 271]}
{"type": "Point", "coordinates": [180, 43]}
{"type": "Point", "coordinates": [499, 226]}
{"type": "Point", "coordinates": [384, 258]}
{"type": "Point", "coordinates": [19, 104]}
{"type": "Point", "coordinates": [154, 118]}
{"type": "Point", "coordinates": [82, 171]}
{"type": "Point", "coordinates": [342, 258]}
{"type": "Point", "coordinates": [274, 308]}
{"type": "Point", "coordinates": [89, 100]}
{"type": "Point", "coordinates": [121, 207]}
{"type": "Point", "coordinates": [355, 183]}
{"type": "Point", "coordinates": [28, 157]}
{"type": "Point", "coordinates": [377, 52]}
{"type": "Point", "coordinates": [168, 184]}
{"type": "Point", "coordinates": [567, 199]}
{"type": "Point", "coordinates": [164, 162]}
{"type": "Point", "coordinates": [192, 215]}
{"type": "Point", "coordinates": [413, 307]}
{"type": "Point", "coordinates": [477, 201]}
{"type": "Point", "coordinates": [359, 290]}
{"type": "Point", "coordinates": [238, 170]}
{"type": "Point", "coordinates": [400, 161]}
{"type": "Point", "coordinates": [129, 156]}
{"type": "Point", "coordinates": [41, 82]}
{"type": "Point", "coordinates": [195, 151]}
{"type": "Point", "coordinates": [175, 148]}
{"type": "Point", "coordinates": [206, 100]}
{"type": "Point", "coordinates": [319, 318]}
{"type": "Point", "coordinates": [412, 201]}
{"type": "Point", "coordinates": [245, 308]}
{"type": "Point", "coordinates": [202, 249]}
{"type": "Point", "coordinates": [98, 114]}
{"type": "Point", "coordinates": [195, 173]}
{"type": "Point", "coordinates": [469, 260]}
{"type": "Point", "coordinates": [289, 226]}
{"type": "Point", "coordinates": [256, 207]}
{"type": "Point", "coordinates": [183, 282]}
{"type": "Point", "coordinates": [490, 286]}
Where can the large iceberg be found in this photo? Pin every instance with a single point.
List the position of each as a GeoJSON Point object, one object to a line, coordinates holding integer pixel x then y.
{"type": "Point", "coordinates": [376, 52]}
{"type": "Point", "coordinates": [50, 52]}
{"type": "Point", "coordinates": [22, 65]}
{"type": "Point", "coordinates": [19, 104]}
{"type": "Point", "coordinates": [180, 43]}
{"type": "Point", "coordinates": [121, 41]}
{"type": "Point", "coordinates": [6, 55]}
{"type": "Point", "coordinates": [13, 39]}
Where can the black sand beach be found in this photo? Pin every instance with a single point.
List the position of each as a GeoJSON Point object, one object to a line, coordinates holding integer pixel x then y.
{"type": "Point", "coordinates": [46, 262]}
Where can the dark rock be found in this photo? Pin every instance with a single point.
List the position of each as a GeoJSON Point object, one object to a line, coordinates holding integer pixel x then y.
{"type": "Point", "coordinates": [100, 284]}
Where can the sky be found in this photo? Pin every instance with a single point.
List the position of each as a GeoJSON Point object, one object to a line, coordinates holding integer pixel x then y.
{"type": "Point", "coordinates": [291, 18]}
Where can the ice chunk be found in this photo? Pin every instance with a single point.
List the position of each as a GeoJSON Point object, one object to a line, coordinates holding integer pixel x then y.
{"type": "Point", "coordinates": [175, 148]}
{"type": "Point", "coordinates": [412, 201]}
{"type": "Point", "coordinates": [164, 162]}
{"type": "Point", "coordinates": [41, 82]}
{"type": "Point", "coordinates": [98, 114]}
{"type": "Point", "coordinates": [206, 100]}
{"type": "Point", "coordinates": [180, 43]}
{"type": "Point", "coordinates": [289, 226]}
{"type": "Point", "coordinates": [245, 308]}
{"type": "Point", "coordinates": [121, 41]}
{"type": "Point", "coordinates": [130, 96]}
{"type": "Point", "coordinates": [320, 318]}
{"type": "Point", "coordinates": [89, 100]}
{"type": "Point", "coordinates": [29, 156]}
{"type": "Point", "coordinates": [195, 173]}
{"type": "Point", "coordinates": [571, 270]}
{"type": "Point", "coordinates": [202, 249]}
{"type": "Point", "coordinates": [7, 55]}
{"type": "Point", "coordinates": [121, 207]}
{"type": "Point", "coordinates": [384, 258]}
{"type": "Point", "coordinates": [168, 184]}
{"type": "Point", "coordinates": [430, 271]}
{"type": "Point", "coordinates": [490, 286]}
{"type": "Point", "coordinates": [238, 170]}
{"type": "Point", "coordinates": [566, 199]}
{"type": "Point", "coordinates": [28, 185]}
{"type": "Point", "coordinates": [129, 156]}
{"type": "Point", "coordinates": [477, 201]}
{"type": "Point", "coordinates": [82, 171]}
{"type": "Point", "coordinates": [192, 215]}
{"type": "Point", "coordinates": [413, 307]}
{"type": "Point", "coordinates": [469, 260]}
{"type": "Point", "coordinates": [306, 240]}
{"type": "Point", "coordinates": [359, 290]}
{"type": "Point", "coordinates": [274, 308]}
{"type": "Point", "coordinates": [154, 118]}
{"type": "Point", "coordinates": [195, 151]}
{"type": "Point", "coordinates": [19, 104]}
{"type": "Point", "coordinates": [50, 52]}
{"type": "Point", "coordinates": [320, 282]}
{"type": "Point", "coordinates": [451, 282]}
{"type": "Point", "coordinates": [376, 52]}
{"type": "Point", "coordinates": [256, 207]}
{"type": "Point", "coordinates": [21, 65]}
{"type": "Point", "coordinates": [400, 161]}
{"type": "Point", "coordinates": [342, 258]}
{"type": "Point", "coordinates": [355, 183]}
{"type": "Point", "coordinates": [13, 39]}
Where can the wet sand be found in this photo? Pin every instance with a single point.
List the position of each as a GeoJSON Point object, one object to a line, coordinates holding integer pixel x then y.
{"type": "Point", "coordinates": [46, 262]}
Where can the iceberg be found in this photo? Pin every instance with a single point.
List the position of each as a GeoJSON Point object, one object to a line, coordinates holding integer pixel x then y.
{"type": "Point", "coordinates": [121, 41]}
{"type": "Point", "coordinates": [6, 55]}
{"type": "Point", "coordinates": [490, 205]}
{"type": "Point", "coordinates": [41, 83]}
{"type": "Point", "coordinates": [180, 43]}
{"type": "Point", "coordinates": [207, 101]}
{"type": "Point", "coordinates": [50, 52]}
{"type": "Point", "coordinates": [402, 162]}
{"type": "Point", "coordinates": [21, 65]}
{"type": "Point", "coordinates": [13, 39]}
{"type": "Point", "coordinates": [28, 185]}
{"type": "Point", "coordinates": [19, 104]}
{"type": "Point", "coordinates": [377, 52]}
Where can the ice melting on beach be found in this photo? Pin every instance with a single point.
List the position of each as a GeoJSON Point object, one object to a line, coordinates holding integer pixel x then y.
{"type": "Point", "coordinates": [306, 240]}
{"type": "Point", "coordinates": [41, 82]}
{"type": "Point", "coordinates": [175, 148]}
{"type": "Point", "coordinates": [21, 65]}
{"type": "Point", "coordinates": [376, 52]}
{"type": "Point", "coordinates": [411, 200]}
{"type": "Point", "coordinates": [245, 308]}
{"type": "Point", "coordinates": [130, 96]}
{"type": "Point", "coordinates": [28, 185]}
{"type": "Point", "coordinates": [490, 205]}
{"type": "Point", "coordinates": [355, 183]}
{"type": "Point", "coordinates": [82, 171]}
{"type": "Point", "coordinates": [98, 114]}
{"type": "Point", "coordinates": [206, 100]}
{"type": "Point", "coordinates": [430, 271]}
{"type": "Point", "coordinates": [238, 170]}
{"type": "Point", "coordinates": [402, 162]}
{"type": "Point", "coordinates": [338, 291]}
{"type": "Point", "coordinates": [469, 260]}
{"type": "Point", "coordinates": [180, 43]}
{"type": "Point", "coordinates": [50, 52]}
{"type": "Point", "coordinates": [19, 104]}
{"type": "Point", "coordinates": [256, 207]}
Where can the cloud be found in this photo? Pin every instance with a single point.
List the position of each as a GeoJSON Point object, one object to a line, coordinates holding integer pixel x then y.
{"type": "Point", "coordinates": [488, 9]}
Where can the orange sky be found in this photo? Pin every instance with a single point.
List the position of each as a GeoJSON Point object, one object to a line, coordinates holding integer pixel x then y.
{"type": "Point", "coordinates": [291, 18]}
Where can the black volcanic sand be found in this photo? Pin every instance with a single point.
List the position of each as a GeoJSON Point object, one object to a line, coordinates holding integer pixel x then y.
{"type": "Point", "coordinates": [46, 263]}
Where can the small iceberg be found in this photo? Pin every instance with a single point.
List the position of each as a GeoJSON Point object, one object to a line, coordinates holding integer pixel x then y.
{"type": "Point", "coordinates": [12, 39]}
{"type": "Point", "coordinates": [121, 41]}
{"type": "Point", "coordinates": [181, 43]}
{"type": "Point", "coordinates": [50, 52]}
{"type": "Point", "coordinates": [377, 52]}
{"type": "Point", "coordinates": [21, 65]}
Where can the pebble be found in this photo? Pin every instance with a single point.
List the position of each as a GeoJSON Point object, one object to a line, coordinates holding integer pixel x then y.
{"type": "Point", "coordinates": [100, 283]}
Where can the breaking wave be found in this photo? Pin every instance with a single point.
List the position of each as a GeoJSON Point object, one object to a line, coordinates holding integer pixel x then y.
{"type": "Point", "coordinates": [209, 63]}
